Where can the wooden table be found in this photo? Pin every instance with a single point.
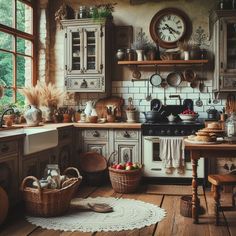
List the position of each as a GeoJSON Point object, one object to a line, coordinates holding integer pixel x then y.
{"type": "Point", "coordinates": [205, 151]}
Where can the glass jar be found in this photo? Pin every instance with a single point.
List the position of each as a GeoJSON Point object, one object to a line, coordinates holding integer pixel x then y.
{"type": "Point", "coordinates": [230, 125]}
{"type": "Point", "coordinates": [51, 170]}
{"type": "Point", "coordinates": [130, 54]}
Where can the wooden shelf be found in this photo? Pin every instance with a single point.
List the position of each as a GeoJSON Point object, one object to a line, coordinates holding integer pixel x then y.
{"type": "Point", "coordinates": [163, 62]}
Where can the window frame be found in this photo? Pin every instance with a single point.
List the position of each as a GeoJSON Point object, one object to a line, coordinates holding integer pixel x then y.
{"type": "Point", "coordinates": [31, 37]}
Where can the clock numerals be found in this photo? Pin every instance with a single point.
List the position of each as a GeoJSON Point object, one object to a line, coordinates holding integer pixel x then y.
{"type": "Point", "coordinates": [168, 26]}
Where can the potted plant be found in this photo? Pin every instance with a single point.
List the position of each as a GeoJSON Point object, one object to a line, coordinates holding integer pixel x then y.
{"type": "Point", "coordinates": [33, 115]}
{"type": "Point", "coordinates": [103, 11]}
{"type": "Point", "coordinates": [140, 44]}
{"type": "Point", "coordinates": [151, 51]}
{"type": "Point", "coordinates": [51, 96]}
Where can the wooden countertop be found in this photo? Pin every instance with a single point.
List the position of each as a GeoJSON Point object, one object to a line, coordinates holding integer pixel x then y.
{"type": "Point", "coordinates": [120, 125]}
{"type": "Point", "coordinates": [219, 146]}
{"type": "Point", "coordinates": [18, 130]}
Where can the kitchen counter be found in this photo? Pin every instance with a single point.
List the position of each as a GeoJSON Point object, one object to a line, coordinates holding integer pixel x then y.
{"type": "Point", "coordinates": [20, 129]}
{"type": "Point", "coordinates": [115, 125]}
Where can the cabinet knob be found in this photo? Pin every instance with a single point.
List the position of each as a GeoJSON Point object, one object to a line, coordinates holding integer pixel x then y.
{"type": "Point", "coordinates": [126, 134]}
{"type": "Point", "coordinates": [4, 148]}
{"type": "Point", "coordinates": [95, 134]}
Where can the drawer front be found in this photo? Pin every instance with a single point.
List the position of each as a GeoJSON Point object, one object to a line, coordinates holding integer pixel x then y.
{"type": "Point", "coordinates": [126, 135]}
{"type": "Point", "coordinates": [8, 147]}
{"type": "Point", "coordinates": [95, 134]}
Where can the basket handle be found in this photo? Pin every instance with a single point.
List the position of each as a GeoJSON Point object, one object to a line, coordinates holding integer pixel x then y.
{"type": "Point", "coordinates": [112, 154]}
{"type": "Point", "coordinates": [70, 182]}
{"type": "Point", "coordinates": [75, 169]}
{"type": "Point", "coordinates": [22, 187]}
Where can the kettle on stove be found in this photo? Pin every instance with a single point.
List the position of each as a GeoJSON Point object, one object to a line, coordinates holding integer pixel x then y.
{"type": "Point", "coordinates": [212, 113]}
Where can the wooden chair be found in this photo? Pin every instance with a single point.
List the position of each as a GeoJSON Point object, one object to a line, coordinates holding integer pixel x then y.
{"type": "Point", "coordinates": [217, 182]}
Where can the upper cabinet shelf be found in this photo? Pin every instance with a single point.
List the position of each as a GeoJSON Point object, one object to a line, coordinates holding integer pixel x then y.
{"type": "Point", "coordinates": [163, 62]}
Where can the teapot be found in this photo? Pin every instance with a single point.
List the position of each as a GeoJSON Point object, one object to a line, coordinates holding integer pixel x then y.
{"type": "Point", "coordinates": [212, 113]}
{"type": "Point", "coordinates": [171, 118]}
{"type": "Point", "coordinates": [88, 108]}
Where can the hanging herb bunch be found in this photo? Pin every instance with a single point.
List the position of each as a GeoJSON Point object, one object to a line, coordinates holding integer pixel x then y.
{"type": "Point", "coordinates": [103, 10]}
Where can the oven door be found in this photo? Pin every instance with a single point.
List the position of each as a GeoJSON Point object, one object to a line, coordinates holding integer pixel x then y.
{"type": "Point", "coordinates": [153, 166]}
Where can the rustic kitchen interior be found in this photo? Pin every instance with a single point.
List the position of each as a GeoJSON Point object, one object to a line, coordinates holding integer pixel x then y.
{"type": "Point", "coordinates": [116, 110]}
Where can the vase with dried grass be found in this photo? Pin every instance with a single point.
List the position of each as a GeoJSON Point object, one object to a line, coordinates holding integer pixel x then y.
{"type": "Point", "coordinates": [33, 115]}
{"type": "Point", "coordinates": [51, 96]}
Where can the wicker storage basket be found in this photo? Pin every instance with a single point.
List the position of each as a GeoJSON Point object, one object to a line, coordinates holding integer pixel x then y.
{"type": "Point", "coordinates": [186, 206]}
{"type": "Point", "coordinates": [125, 181]}
{"type": "Point", "coordinates": [94, 167]}
{"type": "Point", "coordinates": [49, 202]}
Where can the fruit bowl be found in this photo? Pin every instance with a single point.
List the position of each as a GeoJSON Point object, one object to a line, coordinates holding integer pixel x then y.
{"type": "Point", "coordinates": [188, 117]}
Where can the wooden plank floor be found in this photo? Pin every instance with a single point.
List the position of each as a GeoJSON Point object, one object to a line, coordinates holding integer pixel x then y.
{"type": "Point", "coordinates": [174, 224]}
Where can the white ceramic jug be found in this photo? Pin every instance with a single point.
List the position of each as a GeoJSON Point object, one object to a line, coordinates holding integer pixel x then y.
{"type": "Point", "coordinates": [88, 108]}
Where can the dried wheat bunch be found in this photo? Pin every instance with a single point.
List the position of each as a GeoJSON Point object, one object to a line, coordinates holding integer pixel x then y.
{"type": "Point", "coordinates": [50, 94]}
{"type": "Point", "coordinates": [32, 95]}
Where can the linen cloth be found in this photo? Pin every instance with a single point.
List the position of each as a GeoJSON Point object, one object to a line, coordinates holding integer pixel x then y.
{"type": "Point", "coordinates": [172, 151]}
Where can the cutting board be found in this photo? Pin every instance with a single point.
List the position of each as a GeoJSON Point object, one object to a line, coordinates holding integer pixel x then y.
{"type": "Point", "coordinates": [101, 108]}
{"type": "Point", "coordinates": [4, 205]}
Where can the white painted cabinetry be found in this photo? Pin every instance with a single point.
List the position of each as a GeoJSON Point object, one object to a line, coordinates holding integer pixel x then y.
{"type": "Point", "coordinates": [126, 142]}
{"type": "Point", "coordinates": [87, 49]}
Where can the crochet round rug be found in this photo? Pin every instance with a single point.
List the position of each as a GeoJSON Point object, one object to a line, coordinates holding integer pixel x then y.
{"type": "Point", "coordinates": [127, 214]}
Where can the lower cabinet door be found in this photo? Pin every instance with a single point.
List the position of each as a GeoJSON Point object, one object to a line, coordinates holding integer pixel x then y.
{"type": "Point", "coordinates": [64, 157]}
{"type": "Point", "coordinates": [30, 167]}
{"type": "Point", "coordinates": [127, 151]}
{"type": "Point", "coordinates": [101, 148]}
{"type": "Point", "coordinates": [9, 177]}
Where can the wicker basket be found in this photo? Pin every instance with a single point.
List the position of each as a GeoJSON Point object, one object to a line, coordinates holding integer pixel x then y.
{"type": "Point", "coordinates": [94, 167]}
{"type": "Point", "coordinates": [49, 202]}
{"type": "Point", "coordinates": [186, 206]}
{"type": "Point", "coordinates": [125, 181]}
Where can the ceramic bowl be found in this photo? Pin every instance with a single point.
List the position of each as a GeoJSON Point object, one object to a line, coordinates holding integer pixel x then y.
{"type": "Point", "coordinates": [188, 117]}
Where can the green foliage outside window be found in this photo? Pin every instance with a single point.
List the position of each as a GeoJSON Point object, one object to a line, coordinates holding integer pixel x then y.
{"type": "Point", "coordinates": [7, 57]}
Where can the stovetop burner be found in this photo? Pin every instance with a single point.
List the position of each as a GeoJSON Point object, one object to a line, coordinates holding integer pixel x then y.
{"type": "Point", "coordinates": [171, 128]}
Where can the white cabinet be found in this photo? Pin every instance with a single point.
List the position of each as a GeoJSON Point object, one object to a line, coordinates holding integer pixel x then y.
{"type": "Point", "coordinates": [224, 39]}
{"type": "Point", "coordinates": [127, 145]}
{"type": "Point", "coordinates": [87, 48]}
{"type": "Point", "coordinates": [126, 142]}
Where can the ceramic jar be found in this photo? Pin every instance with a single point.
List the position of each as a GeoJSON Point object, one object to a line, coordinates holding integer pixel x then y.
{"type": "Point", "coordinates": [131, 116]}
{"type": "Point", "coordinates": [33, 116]}
{"type": "Point", "coordinates": [120, 55]}
{"type": "Point", "coordinates": [140, 55]}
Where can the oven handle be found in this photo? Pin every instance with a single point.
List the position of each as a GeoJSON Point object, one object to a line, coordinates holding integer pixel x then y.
{"type": "Point", "coordinates": [152, 139]}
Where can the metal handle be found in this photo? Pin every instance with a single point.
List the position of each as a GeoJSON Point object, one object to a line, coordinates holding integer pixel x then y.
{"type": "Point", "coordinates": [96, 134]}
{"type": "Point", "coordinates": [126, 135]}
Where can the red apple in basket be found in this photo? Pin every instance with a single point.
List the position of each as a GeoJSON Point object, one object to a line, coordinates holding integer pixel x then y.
{"type": "Point", "coordinates": [120, 167]}
{"type": "Point", "coordinates": [129, 163]}
{"type": "Point", "coordinates": [114, 166]}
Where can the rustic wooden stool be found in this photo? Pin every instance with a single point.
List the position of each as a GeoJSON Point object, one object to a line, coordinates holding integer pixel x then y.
{"type": "Point", "coordinates": [217, 181]}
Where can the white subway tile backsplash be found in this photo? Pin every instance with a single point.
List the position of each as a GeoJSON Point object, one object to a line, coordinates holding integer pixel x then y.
{"type": "Point", "coordinates": [134, 90]}
{"type": "Point", "coordinates": [138, 91]}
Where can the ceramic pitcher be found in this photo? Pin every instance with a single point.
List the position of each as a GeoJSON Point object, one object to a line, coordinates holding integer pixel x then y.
{"type": "Point", "coordinates": [88, 108]}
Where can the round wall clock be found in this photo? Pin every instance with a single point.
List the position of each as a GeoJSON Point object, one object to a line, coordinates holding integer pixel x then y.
{"type": "Point", "coordinates": [168, 26]}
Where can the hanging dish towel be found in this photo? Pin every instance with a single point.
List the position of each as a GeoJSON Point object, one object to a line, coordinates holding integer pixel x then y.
{"type": "Point", "coordinates": [172, 151]}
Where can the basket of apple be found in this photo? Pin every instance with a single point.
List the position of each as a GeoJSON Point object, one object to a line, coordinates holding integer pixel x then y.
{"type": "Point", "coordinates": [125, 177]}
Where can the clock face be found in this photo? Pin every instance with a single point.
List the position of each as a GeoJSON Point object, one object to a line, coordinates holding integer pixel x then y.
{"type": "Point", "coordinates": [169, 26]}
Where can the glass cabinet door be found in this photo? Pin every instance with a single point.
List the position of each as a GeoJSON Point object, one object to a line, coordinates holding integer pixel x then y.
{"type": "Point", "coordinates": [229, 52]}
{"type": "Point", "coordinates": [75, 50]}
{"type": "Point", "coordinates": [92, 50]}
{"type": "Point", "coordinates": [85, 50]}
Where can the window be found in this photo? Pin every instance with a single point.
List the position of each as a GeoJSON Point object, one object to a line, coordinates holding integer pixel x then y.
{"type": "Point", "coordinates": [17, 43]}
